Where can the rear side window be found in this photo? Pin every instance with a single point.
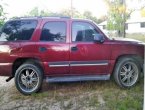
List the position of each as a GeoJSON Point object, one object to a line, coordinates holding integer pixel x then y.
{"type": "Point", "coordinates": [18, 30]}
{"type": "Point", "coordinates": [54, 31]}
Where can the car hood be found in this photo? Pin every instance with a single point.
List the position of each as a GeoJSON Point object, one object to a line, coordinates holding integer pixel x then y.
{"type": "Point", "coordinates": [128, 40]}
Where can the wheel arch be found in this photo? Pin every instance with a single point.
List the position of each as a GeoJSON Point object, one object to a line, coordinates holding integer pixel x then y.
{"type": "Point", "coordinates": [19, 61]}
{"type": "Point", "coordinates": [136, 57]}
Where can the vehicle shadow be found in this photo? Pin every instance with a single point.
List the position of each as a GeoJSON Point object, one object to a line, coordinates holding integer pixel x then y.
{"type": "Point", "coordinates": [85, 85]}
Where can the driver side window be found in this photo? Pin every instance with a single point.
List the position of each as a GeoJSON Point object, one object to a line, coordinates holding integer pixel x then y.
{"type": "Point", "coordinates": [83, 32]}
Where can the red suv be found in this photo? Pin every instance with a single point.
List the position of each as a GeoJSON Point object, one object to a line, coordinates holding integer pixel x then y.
{"type": "Point", "coordinates": [61, 49]}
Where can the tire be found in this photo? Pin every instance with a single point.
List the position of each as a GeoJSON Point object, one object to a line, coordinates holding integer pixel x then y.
{"type": "Point", "coordinates": [127, 72]}
{"type": "Point", "coordinates": [28, 78]}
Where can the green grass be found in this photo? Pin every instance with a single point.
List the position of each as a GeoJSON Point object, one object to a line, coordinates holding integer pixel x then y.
{"type": "Point", "coordinates": [85, 95]}
{"type": "Point", "coordinates": [140, 37]}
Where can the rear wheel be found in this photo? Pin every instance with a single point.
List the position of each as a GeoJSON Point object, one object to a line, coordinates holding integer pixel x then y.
{"type": "Point", "coordinates": [28, 78]}
{"type": "Point", "coordinates": [126, 73]}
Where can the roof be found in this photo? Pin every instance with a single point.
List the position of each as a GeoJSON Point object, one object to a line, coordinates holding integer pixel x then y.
{"type": "Point", "coordinates": [42, 17]}
{"type": "Point", "coordinates": [51, 18]}
{"type": "Point", "coordinates": [135, 20]}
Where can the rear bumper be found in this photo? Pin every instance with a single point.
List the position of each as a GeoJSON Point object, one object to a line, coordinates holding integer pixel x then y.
{"type": "Point", "coordinates": [5, 69]}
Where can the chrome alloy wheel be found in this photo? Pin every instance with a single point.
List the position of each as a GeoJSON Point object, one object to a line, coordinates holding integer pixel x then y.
{"type": "Point", "coordinates": [28, 79]}
{"type": "Point", "coordinates": [129, 74]}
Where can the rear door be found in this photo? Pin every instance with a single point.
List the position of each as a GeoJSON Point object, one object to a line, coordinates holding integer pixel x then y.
{"type": "Point", "coordinates": [87, 57]}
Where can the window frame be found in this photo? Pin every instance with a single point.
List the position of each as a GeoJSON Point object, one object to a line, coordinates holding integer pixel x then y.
{"type": "Point", "coordinates": [21, 20]}
{"type": "Point", "coordinates": [54, 41]}
{"type": "Point", "coordinates": [82, 41]}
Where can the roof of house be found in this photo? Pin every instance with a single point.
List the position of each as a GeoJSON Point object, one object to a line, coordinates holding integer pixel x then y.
{"type": "Point", "coordinates": [103, 23]}
{"type": "Point", "coordinates": [135, 20]}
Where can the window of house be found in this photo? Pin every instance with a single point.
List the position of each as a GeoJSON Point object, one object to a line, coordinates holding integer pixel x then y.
{"type": "Point", "coordinates": [142, 25]}
{"type": "Point", "coordinates": [83, 32]}
{"type": "Point", "coordinates": [104, 27]}
{"type": "Point", "coordinates": [54, 31]}
{"type": "Point", "coordinates": [18, 30]}
{"type": "Point", "coordinates": [126, 26]}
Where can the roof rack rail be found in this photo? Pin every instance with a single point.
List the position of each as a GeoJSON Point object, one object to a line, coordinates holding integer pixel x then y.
{"type": "Point", "coordinates": [65, 17]}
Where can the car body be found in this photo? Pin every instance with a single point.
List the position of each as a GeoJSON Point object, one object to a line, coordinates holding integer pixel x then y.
{"type": "Point", "coordinates": [77, 50]}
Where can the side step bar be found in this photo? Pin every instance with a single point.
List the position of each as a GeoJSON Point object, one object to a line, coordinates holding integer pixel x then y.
{"type": "Point", "coordinates": [78, 78]}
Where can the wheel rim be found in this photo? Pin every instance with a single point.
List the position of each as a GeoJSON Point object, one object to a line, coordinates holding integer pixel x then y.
{"type": "Point", "coordinates": [129, 74]}
{"type": "Point", "coordinates": [28, 80]}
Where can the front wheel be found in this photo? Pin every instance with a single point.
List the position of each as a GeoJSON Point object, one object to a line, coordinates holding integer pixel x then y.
{"type": "Point", "coordinates": [126, 73]}
{"type": "Point", "coordinates": [28, 78]}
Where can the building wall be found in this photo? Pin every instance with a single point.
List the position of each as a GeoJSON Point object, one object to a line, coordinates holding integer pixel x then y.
{"type": "Point", "coordinates": [135, 28]}
{"type": "Point", "coordinates": [132, 28]}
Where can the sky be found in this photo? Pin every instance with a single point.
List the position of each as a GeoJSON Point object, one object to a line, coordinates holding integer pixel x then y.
{"type": "Point", "coordinates": [97, 7]}
{"type": "Point", "coordinates": [20, 7]}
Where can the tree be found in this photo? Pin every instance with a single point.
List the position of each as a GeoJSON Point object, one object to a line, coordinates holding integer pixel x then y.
{"type": "Point", "coordinates": [71, 13]}
{"type": "Point", "coordinates": [65, 12]}
{"type": "Point", "coordinates": [117, 16]}
{"type": "Point", "coordinates": [2, 16]}
{"type": "Point", "coordinates": [143, 12]}
{"type": "Point", "coordinates": [102, 18]}
{"type": "Point", "coordinates": [88, 15]}
{"type": "Point", "coordinates": [37, 12]}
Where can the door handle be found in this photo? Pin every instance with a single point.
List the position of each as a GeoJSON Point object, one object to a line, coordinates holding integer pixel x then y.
{"type": "Point", "coordinates": [42, 49]}
{"type": "Point", "coordinates": [75, 48]}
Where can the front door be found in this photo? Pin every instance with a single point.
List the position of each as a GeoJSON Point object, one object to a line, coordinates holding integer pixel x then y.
{"type": "Point", "coordinates": [87, 57]}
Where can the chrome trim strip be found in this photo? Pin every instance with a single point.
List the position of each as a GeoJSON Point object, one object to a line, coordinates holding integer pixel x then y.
{"type": "Point", "coordinates": [58, 65]}
{"type": "Point", "coordinates": [78, 63]}
{"type": "Point", "coordinates": [97, 64]}
{"type": "Point", "coordinates": [5, 64]}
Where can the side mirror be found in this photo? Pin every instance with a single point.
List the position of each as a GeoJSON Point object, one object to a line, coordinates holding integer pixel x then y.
{"type": "Point", "coordinates": [99, 38]}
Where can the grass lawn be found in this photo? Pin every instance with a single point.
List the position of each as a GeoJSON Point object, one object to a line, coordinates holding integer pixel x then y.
{"type": "Point", "coordinates": [140, 37]}
{"type": "Point", "coordinates": [97, 95]}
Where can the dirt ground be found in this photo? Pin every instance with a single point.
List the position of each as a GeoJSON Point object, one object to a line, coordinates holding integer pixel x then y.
{"type": "Point", "coordinates": [99, 95]}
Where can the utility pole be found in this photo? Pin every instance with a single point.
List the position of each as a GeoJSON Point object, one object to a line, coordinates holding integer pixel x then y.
{"type": "Point", "coordinates": [124, 18]}
{"type": "Point", "coordinates": [71, 8]}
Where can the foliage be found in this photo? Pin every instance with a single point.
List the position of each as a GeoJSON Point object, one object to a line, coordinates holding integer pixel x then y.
{"type": "Point", "coordinates": [71, 12]}
{"type": "Point", "coordinates": [117, 15]}
{"type": "Point", "coordinates": [88, 15]}
{"type": "Point", "coordinates": [143, 12]}
{"type": "Point", "coordinates": [36, 12]}
{"type": "Point", "coordinates": [2, 16]}
{"type": "Point", "coordinates": [65, 12]}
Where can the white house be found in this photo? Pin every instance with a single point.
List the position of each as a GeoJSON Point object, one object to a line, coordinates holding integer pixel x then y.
{"type": "Point", "coordinates": [132, 25]}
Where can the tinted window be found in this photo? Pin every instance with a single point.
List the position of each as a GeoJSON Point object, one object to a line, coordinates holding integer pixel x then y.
{"type": "Point", "coordinates": [82, 31]}
{"type": "Point", "coordinates": [18, 30]}
{"type": "Point", "coordinates": [54, 31]}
